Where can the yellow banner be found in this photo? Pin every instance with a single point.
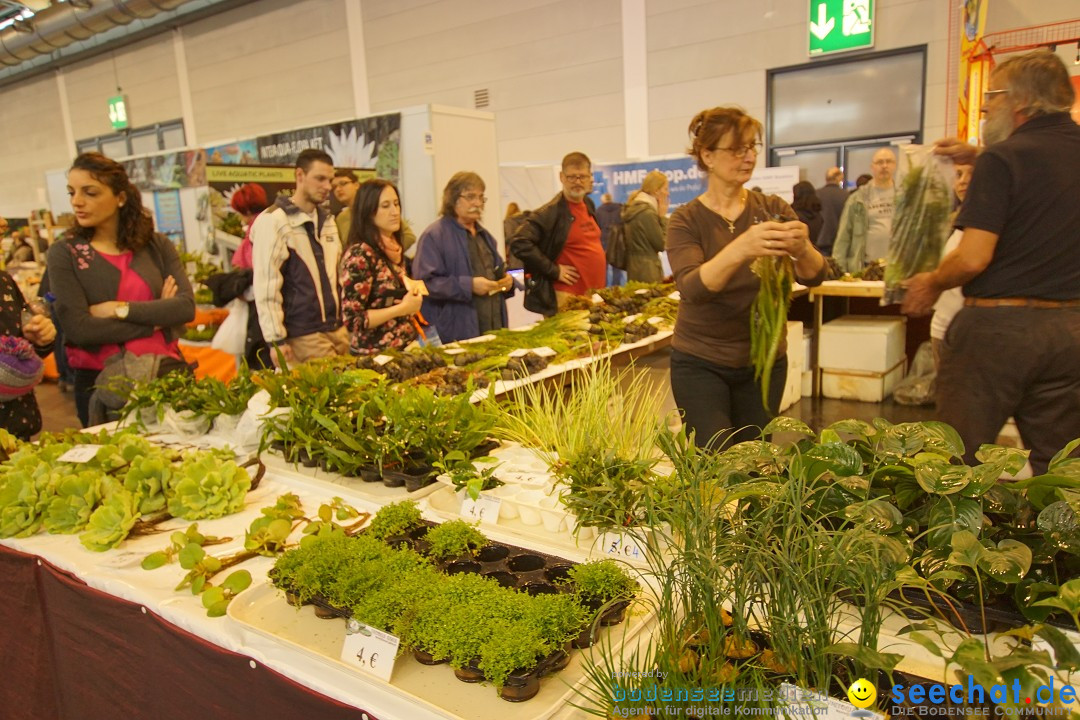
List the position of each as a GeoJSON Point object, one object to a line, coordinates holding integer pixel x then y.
{"type": "Point", "coordinates": [972, 75]}
{"type": "Point", "coordinates": [249, 173]}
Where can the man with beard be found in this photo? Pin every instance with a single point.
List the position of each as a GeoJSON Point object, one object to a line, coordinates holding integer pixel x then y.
{"type": "Point", "coordinates": [1014, 349]}
{"type": "Point", "coordinates": [865, 225]}
{"type": "Point", "coordinates": [559, 243]}
{"type": "Point", "coordinates": [295, 251]}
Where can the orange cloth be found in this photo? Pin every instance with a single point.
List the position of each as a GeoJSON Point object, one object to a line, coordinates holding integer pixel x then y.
{"type": "Point", "coordinates": [51, 373]}
{"type": "Point", "coordinates": [212, 363]}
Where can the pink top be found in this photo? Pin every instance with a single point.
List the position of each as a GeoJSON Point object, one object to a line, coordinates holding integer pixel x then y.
{"type": "Point", "coordinates": [242, 257]}
{"type": "Point", "coordinates": [132, 289]}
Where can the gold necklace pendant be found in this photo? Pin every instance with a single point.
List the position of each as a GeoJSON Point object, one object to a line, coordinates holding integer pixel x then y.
{"type": "Point", "coordinates": [730, 224]}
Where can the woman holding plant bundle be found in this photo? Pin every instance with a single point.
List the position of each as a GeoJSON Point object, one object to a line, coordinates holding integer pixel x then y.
{"type": "Point", "coordinates": [712, 241]}
{"type": "Point", "coordinates": [378, 300]}
{"type": "Point", "coordinates": [122, 295]}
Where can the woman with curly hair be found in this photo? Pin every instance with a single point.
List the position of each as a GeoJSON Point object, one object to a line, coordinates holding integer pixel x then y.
{"type": "Point", "coordinates": [119, 286]}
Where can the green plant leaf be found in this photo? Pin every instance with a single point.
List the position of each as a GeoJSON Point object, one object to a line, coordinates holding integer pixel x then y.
{"type": "Point", "coordinates": [1012, 459]}
{"type": "Point", "coordinates": [859, 428]}
{"type": "Point", "coordinates": [943, 437]}
{"type": "Point", "coordinates": [840, 459]}
{"type": "Point", "coordinates": [868, 657]}
{"type": "Point", "coordinates": [326, 514]}
{"type": "Point", "coordinates": [154, 560]}
{"type": "Point", "coordinates": [1066, 655]}
{"type": "Point", "coordinates": [939, 477]}
{"type": "Point", "coordinates": [218, 609]}
{"type": "Point", "coordinates": [1062, 464]}
{"type": "Point", "coordinates": [190, 555]}
{"type": "Point", "coordinates": [197, 584]}
{"type": "Point", "coordinates": [926, 641]}
{"type": "Point", "coordinates": [949, 515]}
{"type": "Point", "coordinates": [829, 436]}
{"type": "Point", "coordinates": [878, 515]}
{"type": "Point", "coordinates": [907, 492]}
{"type": "Point", "coordinates": [237, 582]}
{"type": "Point", "coordinates": [782, 424]}
{"type": "Point", "coordinates": [212, 595]}
{"type": "Point", "coordinates": [1008, 562]}
{"type": "Point", "coordinates": [966, 550]}
{"type": "Point", "coordinates": [1067, 599]}
{"type": "Point", "coordinates": [1060, 525]}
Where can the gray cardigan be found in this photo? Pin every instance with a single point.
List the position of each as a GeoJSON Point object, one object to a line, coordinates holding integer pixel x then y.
{"type": "Point", "coordinates": [79, 277]}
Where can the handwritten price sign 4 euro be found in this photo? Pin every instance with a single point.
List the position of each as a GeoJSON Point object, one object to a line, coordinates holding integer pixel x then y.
{"type": "Point", "coordinates": [369, 650]}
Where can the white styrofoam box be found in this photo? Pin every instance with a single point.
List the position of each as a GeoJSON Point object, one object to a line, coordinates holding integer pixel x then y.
{"type": "Point", "coordinates": [807, 383]}
{"type": "Point", "coordinates": [868, 343]}
{"type": "Point", "coordinates": [793, 385]}
{"type": "Point", "coordinates": [860, 384]}
{"type": "Point", "coordinates": [808, 347]}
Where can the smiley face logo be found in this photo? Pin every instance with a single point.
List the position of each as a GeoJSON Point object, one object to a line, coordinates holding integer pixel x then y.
{"type": "Point", "coordinates": [862, 693]}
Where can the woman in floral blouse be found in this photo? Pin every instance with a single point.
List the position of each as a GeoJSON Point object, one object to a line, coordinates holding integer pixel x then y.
{"type": "Point", "coordinates": [378, 300]}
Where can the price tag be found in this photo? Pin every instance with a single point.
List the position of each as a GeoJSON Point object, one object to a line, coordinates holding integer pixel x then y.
{"type": "Point", "coordinates": [544, 351]}
{"type": "Point", "coordinates": [642, 291]}
{"type": "Point", "coordinates": [613, 544]}
{"type": "Point", "coordinates": [369, 650]}
{"type": "Point", "coordinates": [381, 360]}
{"type": "Point", "coordinates": [453, 350]}
{"type": "Point", "coordinates": [631, 318]}
{"type": "Point", "coordinates": [596, 299]}
{"type": "Point", "coordinates": [80, 454]}
{"type": "Point", "coordinates": [656, 320]}
{"type": "Point", "coordinates": [485, 509]}
{"type": "Point", "coordinates": [675, 296]}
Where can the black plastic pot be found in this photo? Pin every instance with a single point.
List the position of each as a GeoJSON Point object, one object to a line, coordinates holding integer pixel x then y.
{"type": "Point", "coordinates": [586, 637]}
{"type": "Point", "coordinates": [525, 563]}
{"type": "Point", "coordinates": [470, 673]}
{"type": "Point", "coordinates": [425, 658]}
{"type": "Point", "coordinates": [519, 688]}
{"type": "Point", "coordinates": [614, 614]}
{"type": "Point", "coordinates": [506, 579]}
{"type": "Point", "coordinates": [540, 588]}
{"type": "Point", "coordinates": [370, 473]}
{"type": "Point", "coordinates": [463, 566]}
{"type": "Point", "coordinates": [492, 553]}
{"type": "Point", "coordinates": [559, 575]}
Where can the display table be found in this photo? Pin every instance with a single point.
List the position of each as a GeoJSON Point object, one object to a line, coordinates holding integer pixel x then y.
{"type": "Point", "coordinates": [836, 288]}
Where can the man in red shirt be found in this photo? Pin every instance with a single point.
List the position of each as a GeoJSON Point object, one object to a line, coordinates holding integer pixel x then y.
{"type": "Point", "coordinates": [559, 243]}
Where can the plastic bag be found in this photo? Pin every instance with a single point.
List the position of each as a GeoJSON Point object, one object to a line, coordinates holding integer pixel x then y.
{"type": "Point", "coordinates": [918, 387]}
{"type": "Point", "coordinates": [920, 224]}
{"type": "Point", "coordinates": [231, 337]}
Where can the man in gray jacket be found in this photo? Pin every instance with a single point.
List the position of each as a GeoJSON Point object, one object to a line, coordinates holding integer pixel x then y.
{"type": "Point", "coordinates": [866, 223]}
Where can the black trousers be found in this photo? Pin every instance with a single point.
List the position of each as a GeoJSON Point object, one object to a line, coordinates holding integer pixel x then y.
{"type": "Point", "coordinates": [722, 405]}
{"type": "Point", "coordinates": [1012, 361]}
{"type": "Point", "coordinates": [84, 388]}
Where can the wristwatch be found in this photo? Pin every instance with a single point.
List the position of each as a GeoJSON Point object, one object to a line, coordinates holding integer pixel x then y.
{"type": "Point", "coordinates": [122, 311]}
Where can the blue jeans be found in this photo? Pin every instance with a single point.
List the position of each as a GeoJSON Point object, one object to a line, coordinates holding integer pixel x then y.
{"type": "Point", "coordinates": [615, 276]}
{"type": "Point", "coordinates": [60, 352]}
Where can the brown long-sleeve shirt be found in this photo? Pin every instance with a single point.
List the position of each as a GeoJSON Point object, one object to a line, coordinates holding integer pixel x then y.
{"type": "Point", "coordinates": [715, 326]}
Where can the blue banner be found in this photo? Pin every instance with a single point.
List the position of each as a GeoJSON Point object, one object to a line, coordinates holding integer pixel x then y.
{"type": "Point", "coordinates": [685, 181]}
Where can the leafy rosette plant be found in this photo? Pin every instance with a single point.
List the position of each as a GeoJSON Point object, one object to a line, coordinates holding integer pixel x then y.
{"type": "Point", "coordinates": [111, 522]}
{"type": "Point", "coordinates": [77, 494]}
{"type": "Point", "coordinates": [454, 538]}
{"type": "Point", "coordinates": [20, 503]}
{"type": "Point", "coordinates": [395, 519]}
{"type": "Point", "coordinates": [208, 488]}
{"type": "Point", "coordinates": [600, 582]}
{"type": "Point", "coordinates": [147, 479]}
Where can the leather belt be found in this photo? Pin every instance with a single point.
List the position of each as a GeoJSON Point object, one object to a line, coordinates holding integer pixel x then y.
{"type": "Point", "coordinates": [1020, 302]}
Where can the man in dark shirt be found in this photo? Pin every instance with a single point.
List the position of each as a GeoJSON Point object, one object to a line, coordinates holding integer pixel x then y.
{"type": "Point", "coordinates": [608, 215]}
{"type": "Point", "coordinates": [1014, 349]}
{"type": "Point", "coordinates": [832, 196]}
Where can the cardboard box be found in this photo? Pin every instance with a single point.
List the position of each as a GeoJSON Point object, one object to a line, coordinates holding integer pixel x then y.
{"type": "Point", "coordinates": [793, 386]}
{"type": "Point", "coordinates": [861, 385]}
{"type": "Point", "coordinates": [864, 343]}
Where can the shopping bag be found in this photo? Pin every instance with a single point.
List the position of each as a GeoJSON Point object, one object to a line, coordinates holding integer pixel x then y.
{"type": "Point", "coordinates": [231, 337]}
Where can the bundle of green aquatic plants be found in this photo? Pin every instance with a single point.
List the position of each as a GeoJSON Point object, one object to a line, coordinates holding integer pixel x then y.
{"type": "Point", "coordinates": [768, 317]}
{"type": "Point", "coordinates": [920, 224]}
{"type": "Point", "coordinates": [206, 397]}
{"type": "Point", "coordinates": [128, 486]}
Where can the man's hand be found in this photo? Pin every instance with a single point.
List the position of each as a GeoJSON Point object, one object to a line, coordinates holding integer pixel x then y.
{"type": "Point", "coordinates": [568, 274]}
{"type": "Point", "coordinates": [40, 331]}
{"type": "Point", "coordinates": [505, 283]}
{"type": "Point", "coordinates": [482, 286]}
{"type": "Point", "coordinates": [961, 152]}
{"type": "Point", "coordinates": [286, 352]}
{"type": "Point", "coordinates": [921, 294]}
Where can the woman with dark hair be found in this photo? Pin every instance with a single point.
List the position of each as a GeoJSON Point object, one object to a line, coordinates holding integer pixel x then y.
{"type": "Point", "coordinates": [119, 286]}
{"type": "Point", "coordinates": [711, 242]}
{"type": "Point", "coordinates": [378, 300]}
{"type": "Point", "coordinates": [460, 264]}
{"type": "Point", "coordinates": [807, 206]}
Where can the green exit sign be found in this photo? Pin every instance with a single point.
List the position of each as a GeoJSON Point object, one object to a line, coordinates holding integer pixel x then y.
{"type": "Point", "coordinates": [118, 114]}
{"type": "Point", "coordinates": [840, 25]}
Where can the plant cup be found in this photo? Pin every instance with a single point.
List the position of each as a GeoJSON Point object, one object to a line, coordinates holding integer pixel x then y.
{"type": "Point", "coordinates": [552, 514]}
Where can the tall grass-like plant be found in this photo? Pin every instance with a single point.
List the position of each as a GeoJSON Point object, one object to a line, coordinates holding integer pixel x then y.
{"type": "Point", "coordinates": [598, 436]}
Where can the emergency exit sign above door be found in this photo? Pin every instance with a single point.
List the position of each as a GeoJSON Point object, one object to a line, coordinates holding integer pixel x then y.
{"type": "Point", "coordinates": [840, 25]}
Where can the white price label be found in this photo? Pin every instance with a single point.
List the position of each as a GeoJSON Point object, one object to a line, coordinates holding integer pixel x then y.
{"type": "Point", "coordinates": [542, 351]}
{"type": "Point", "coordinates": [675, 296]}
{"type": "Point", "coordinates": [453, 350]}
{"type": "Point", "coordinates": [80, 454]}
{"type": "Point", "coordinates": [596, 299]}
{"type": "Point", "coordinates": [622, 546]}
{"type": "Point", "coordinates": [631, 318]}
{"type": "Point", "coordinates": [381, 360]}
{"type": "Point", "coordinates": [371, 651]}
{"type": "Point", "coordinates": [656, 320]}
{"type": "Point", "coordinates": [485, 508]}
{"type": "Point", "coordinates": [642, 291]}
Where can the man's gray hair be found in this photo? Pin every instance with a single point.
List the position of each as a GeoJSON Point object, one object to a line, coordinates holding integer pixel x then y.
{"type": "Point", "coordinates": [1038, 83]}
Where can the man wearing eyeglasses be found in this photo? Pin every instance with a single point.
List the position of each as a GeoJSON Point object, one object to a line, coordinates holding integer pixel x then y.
{"type": "Point", "coordinates": [866, 223]}
{"type": "Point", "coordinates": [1014, 348]}
{"type": "Point", "coordinates": [559, 244]}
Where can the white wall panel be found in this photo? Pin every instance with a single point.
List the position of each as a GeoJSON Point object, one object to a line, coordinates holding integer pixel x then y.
{"type": "Point", "coordinates": [145, 71]}
{"type": "Point", "coordinates": [31, 142]}
{"type": "Point", "coordinates": [553, 68]}
{"type": "Point", "coordinates": [269, 65]}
